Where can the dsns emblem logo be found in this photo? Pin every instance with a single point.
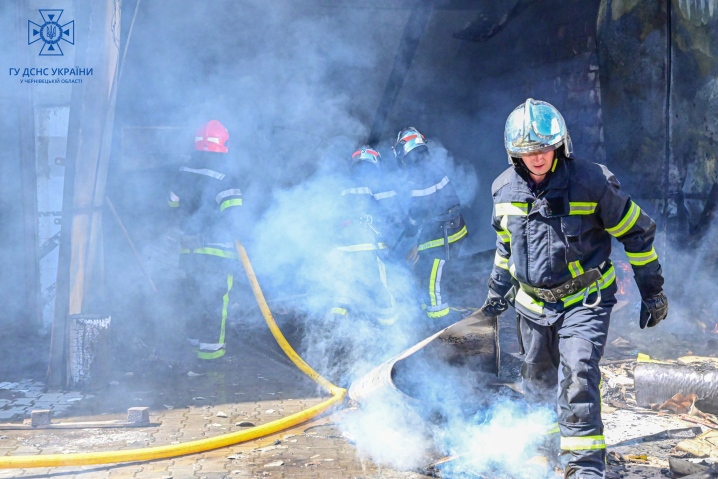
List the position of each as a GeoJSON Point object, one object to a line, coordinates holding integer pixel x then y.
{"type": "Point", "coordinates": [51, 32]}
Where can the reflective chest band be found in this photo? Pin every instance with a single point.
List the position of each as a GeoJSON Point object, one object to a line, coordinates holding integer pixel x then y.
{"type": "Point", "coordinates": [361, 247]}
{"type": "Point", "coordinates": [432, 189]}
{"type": "Point", "coordinates": [579, 208]}
{"type": "Point", "coordinates": [440, 242]}
{"type": "Point", "coordinates": [606, 280]}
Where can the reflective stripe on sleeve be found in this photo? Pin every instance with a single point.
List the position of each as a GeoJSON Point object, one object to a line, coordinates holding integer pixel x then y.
{"type": "Point", "coordinates": [582, 443]}
{"type": "Point", "coordinates": [512, 209]}
{"type": "Point", "coordinates": [204, 172]}
{"type": "Point", "coordinates": [639, 259]}
{"type": "Point", "coordinates": [226, 194]}
{"type": "Point", "coordinates": [440, 242]}
{"type": "Point", "coordinates": [229, 203]}
{"type": "Point", "coordinates": [627, 222]}
{"type": "Point", "coordinates": [340, 311]}
{"type": "Point", "coordinates": [608, 278]}
{"type": "Point", "coordinates": [575, 268]}
{"type": "Point", "coordinates": [432, 189]}
{"type": "Point", "coordinates": [504, 236]}
{"type": "Point", "coordinates": [500, 261]}
{"type": "Point", "coordinates": [578, 208]}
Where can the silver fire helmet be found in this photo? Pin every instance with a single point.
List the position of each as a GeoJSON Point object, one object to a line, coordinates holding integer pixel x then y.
{"type": "Point", "coordinates": [535, 126]}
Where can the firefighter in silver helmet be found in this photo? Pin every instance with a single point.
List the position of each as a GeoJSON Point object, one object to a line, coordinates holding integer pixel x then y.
{"type": "Point", "coordinates": [555, 217]}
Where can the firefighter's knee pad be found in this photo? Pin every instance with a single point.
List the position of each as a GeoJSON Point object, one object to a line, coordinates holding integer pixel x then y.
{"type": "Point", "coordinates": [579, 380]}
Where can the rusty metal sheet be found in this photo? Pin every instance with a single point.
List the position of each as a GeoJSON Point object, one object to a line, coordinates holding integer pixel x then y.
{"type": "Point", "coordinates": [471, 342]}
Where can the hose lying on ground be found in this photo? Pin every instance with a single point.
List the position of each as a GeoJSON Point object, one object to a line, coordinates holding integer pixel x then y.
{"type": "Point", "coordinates": [163, 452]}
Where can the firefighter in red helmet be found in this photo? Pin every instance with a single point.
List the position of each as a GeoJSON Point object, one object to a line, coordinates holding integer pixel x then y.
{"type": "Point", "coordinates": [209, 201]}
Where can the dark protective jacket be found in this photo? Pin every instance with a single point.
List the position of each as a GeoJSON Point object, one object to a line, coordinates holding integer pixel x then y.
{"type": "Point", "coordinates": [548, 237]}
{"type": "Point", "coordinates": [209, 202]}
{"type": "Point", "coordinates": [432, 202]}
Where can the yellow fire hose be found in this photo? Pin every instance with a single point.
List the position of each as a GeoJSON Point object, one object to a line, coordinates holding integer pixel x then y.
{"type": "Point", "coordinates": [163, 452]}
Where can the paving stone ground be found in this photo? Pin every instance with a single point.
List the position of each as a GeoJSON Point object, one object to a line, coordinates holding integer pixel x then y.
{"type": "Point", "coordinates": [248, 387]}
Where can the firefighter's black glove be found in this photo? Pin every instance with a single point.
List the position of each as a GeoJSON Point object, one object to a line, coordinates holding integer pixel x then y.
{"type": "Point", "coordinates": [495, 304]}
{"type": "Point", "coordinates": [654, 309]}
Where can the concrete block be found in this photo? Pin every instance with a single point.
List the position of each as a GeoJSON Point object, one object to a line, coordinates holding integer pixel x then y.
{"type": "Point", "coordinates": [40, 417]}
{"type": "Point", "coordinates": [138, 415]}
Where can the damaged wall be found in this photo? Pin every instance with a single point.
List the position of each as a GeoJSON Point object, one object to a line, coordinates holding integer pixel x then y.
{"type": "Point", "coordinates": [660, 101]}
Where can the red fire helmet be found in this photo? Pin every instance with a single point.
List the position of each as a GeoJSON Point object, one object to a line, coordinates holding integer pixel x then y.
{"type": "Point", "coordinates": [212, 136]}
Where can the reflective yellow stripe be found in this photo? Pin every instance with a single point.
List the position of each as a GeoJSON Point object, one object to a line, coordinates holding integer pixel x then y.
{"type": "Point", "coordinates": [173, 204]}
{"type": "Point", "coordinates": [341, 311]}
{"type": "Point", "coordinates": [627, 222]}
{"type": "Point", "coordinates": [212, 355]}
{"type": "Point", "coordinates": [512, 270]}
{"type": "Point", "coordinates": [645, 358]}
{"type": "Point", "coordinates": [225, 302]}
{"type": "Point", "coordinates": [432, 280]}
{"type": "Point", "coordinates": [227, 203]}
{"type": "Point", "coordinates": [361, 247]}
{"type": "Point", "coordinates": [504, 236]}
{"type": "Point", "coordinates": [578, 208]}
{"type": "Point", "coordinates": [555, 162]}
{"type": "Point", "coordinates": [438, 314]}
{"type": "Point", "coordinates": [528, 302]}
{"type": "Point", "coordinates": [211, 251]}
{"type": "Point", "coordinates": [575, 268]}
{"type": "Point", "coordinates": [553, 430]}
{"type": "Point", "coordinates": [608, 278]}
{"type": "Point", "coordinates": [639, 259]}
{"type": "Point", "coordinates": [582, 443]}
{"type": "Point", "coordinates": [440, 242]}
{"type": "Point", "coordinates": [512, 209]}
{"type": "Point", "coordinates": [500, 261]}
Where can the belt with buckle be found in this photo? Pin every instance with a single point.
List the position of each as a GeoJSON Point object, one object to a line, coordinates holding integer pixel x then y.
{"type": "Point", "coordinates": [574, 285]}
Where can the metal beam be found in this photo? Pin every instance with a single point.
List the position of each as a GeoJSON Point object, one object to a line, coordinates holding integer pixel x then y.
{"type": "Point", "coordinates": [413, 30]}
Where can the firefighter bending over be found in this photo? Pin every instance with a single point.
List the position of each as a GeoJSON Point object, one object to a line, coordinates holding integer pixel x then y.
{"type": "Point", "coordinates": [554, 216]}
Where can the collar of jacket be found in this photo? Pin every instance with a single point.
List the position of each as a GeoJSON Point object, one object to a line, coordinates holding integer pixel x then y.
{"type": "Point", "coordinates": [558, 180]}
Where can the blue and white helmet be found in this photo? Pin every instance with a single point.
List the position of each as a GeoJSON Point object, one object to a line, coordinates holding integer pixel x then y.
{"type": "Point", "coordinates": [366, 153]}
{"type": "Point", "coordinates": [535, 126]}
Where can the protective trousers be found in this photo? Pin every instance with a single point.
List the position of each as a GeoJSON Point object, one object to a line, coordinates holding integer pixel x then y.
{"type": "Point", "coordinates": [361, 287]}
{"type": "Point", "coordinates": [562, 363]}
{"type": "Point", "coordinates": [206, 293]}
{"type": "Point", "coordinates": [431, 271]}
